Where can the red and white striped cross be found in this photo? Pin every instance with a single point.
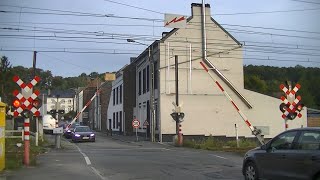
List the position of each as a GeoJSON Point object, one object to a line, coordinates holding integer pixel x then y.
{"type": "Point", "coordinates": [291, 106]}
{"type": "Point", "coordinates": [26, 102]}
{"type": "Point", "coordinates": [292, 92]}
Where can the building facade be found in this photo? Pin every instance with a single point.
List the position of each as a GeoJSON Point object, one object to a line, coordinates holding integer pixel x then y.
{"type": "Point", "coordinates": [207, 110]}
{"type": "Point", "coordinates": [115, 111]}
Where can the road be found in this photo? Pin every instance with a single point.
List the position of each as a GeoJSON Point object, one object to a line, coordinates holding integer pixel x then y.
{"type": "Point", "coordinates": [109, 159]}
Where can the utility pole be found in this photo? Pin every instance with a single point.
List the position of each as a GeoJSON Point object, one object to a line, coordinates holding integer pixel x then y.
{"type": "Point", "coordinates": [33, 75]}
{"type": "Point", "coordinates": [153, 118]}
{"type": "Point", "coordinates": [177, 90]}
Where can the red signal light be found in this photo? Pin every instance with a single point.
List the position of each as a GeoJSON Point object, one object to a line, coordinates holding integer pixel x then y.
{"type": "Point", "coordinates": [16, 103]}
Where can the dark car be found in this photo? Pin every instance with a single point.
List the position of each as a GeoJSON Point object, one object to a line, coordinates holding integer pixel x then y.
{"type": "Point", "coordinates": [68, 132]}
{"type": "Point", "coordinates": [293, 154]}
{"type": "Point", "coordinates": [83, 133]}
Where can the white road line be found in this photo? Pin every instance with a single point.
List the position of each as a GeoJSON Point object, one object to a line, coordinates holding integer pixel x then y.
{"type": "Point", "coordinates": [98, 173]}
{"type": "Point", "coordinates": [218, 156]}
{"type": "Point", "coordinates": [87, 160]}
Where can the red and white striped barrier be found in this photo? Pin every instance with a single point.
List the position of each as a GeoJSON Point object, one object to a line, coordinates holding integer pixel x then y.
{"type": "Point", "coordinates": [254, 131]}
{"type": "Point", "coordinates": [88, 103]}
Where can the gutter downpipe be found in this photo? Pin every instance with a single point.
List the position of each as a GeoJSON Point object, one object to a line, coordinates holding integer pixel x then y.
{"type": "Point", "coordinates": [211, 66]}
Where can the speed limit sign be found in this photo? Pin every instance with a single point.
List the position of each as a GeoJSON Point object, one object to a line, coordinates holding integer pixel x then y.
{"type": "Point", "coordinates": [135, 123]}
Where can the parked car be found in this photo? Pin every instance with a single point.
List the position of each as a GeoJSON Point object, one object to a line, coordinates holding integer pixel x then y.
{"type": "Point", "coordinates": [293, 154]}
{"type": "Point", "coordinates": [83, 133]}
{"type": "Point", "coordinates": [68, 132]}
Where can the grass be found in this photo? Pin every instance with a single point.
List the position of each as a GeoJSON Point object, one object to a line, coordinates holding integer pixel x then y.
{"type": "Point", "coordinates": [217, 145]}
{"type": "Point", "coordinates": [15, 155]}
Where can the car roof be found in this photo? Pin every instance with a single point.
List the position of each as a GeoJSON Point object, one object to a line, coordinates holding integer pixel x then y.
{"type": "Point", "coordinates": [306, 129]}
{"type": "Point", "coordinates": [82, 126]}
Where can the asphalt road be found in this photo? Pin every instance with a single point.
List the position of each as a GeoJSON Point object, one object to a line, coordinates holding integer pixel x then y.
{"type": "Point", "coordinates": [109, 159]}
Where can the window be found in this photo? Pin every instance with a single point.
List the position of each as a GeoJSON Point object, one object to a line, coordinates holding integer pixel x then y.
{"type": "Point", "coordinates": [114, 120]}
{"type": "Point", "coordinates": [114, 96]}
{"type": "Point", "coordinates": [117, 91]}
{"type": "Point", "coordinates": [139, 87]}
{"type": "Point", "coordinates": [309, 140]}
{"type": "Point", "coordinates": [121, 94]}
{"type": "Point", "coordinates": [155, 80]}
{"type": "Point", "coordinates": [284, 141]}
{"type": "Point", "coordinates": [117, 121]}
{"type": "Point", "coordinates": [148, 79]}
{"type": "Point", "coordinates": [144, 81]}
{"type": "Point", "coordinates": [69, 101]}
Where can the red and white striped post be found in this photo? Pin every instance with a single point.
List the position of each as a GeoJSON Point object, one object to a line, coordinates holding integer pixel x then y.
{"type": "Point", "coordinates": [26, 141]}
{"type": "Point", "coordinates": [254, 131]}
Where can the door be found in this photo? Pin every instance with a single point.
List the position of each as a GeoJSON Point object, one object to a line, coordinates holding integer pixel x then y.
{"type": "Point", "coordinates": [273, 162]}
{"type": "Point", "coordinates": [305, 159]}
{"type": "Point", "coordinates": [109, 124]}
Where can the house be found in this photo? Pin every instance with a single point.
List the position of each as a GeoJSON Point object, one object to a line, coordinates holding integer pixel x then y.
{"type": "Point", "coordinates": [115, 109]}
{"type": "Point", "coordinates": [60, 100]}
{"type": "Point", "coordinates": [207, 110]}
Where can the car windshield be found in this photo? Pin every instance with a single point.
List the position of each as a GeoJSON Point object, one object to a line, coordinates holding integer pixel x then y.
{"type": "Point", "coordinates": [74, 125]}
{"type": "Point", "coordinates": [82, 129]}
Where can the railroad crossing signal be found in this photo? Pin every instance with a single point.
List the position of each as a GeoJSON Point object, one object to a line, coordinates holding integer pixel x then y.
{"type": "Point", "coordinates": [27, 100]}
{"type": "Point", "coordinates": [291, 106]}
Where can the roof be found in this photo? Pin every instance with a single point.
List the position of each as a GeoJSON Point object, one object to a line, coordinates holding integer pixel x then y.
{"type": "Point", "coordinates": [60, 93]}
{"type": "Point", "coordinates": [200, 5]}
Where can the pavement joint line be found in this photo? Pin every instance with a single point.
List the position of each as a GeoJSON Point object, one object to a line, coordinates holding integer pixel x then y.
{"type": "Point", "coordinates": [218, 156]}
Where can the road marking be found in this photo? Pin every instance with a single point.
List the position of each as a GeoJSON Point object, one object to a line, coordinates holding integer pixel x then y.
{"type": "Point", "coordinates": [218, 156]}
{"type": "Point", "coordinates": [98, 173]}
{"type": "Point", "coordinates": [87, 160]}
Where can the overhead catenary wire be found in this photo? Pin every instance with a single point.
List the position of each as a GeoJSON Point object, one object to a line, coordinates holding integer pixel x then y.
{"type": "Point", "coordinates": [136, 7]}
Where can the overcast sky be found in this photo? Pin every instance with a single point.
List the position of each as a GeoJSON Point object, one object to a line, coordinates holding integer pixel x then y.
{"type": "Point", "coordinates": [291, 25]}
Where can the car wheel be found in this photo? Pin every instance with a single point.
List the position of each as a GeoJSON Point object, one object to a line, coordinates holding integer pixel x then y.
{"type": "Point", "coordinates": [250, 171]}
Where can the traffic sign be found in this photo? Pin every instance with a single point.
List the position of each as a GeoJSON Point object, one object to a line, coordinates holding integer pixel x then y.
{"type": "Point", "coordinates": [135, 123]}
{"type": "Point", "coordinates": [145, 123]}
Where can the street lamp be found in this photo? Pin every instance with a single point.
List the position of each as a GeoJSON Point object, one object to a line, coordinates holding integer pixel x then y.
{"type": "Point", "coordinates": [152, 89]}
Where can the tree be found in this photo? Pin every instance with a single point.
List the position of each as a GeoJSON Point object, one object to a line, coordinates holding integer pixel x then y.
{"type": "Point", "coordinates": [5, 67]}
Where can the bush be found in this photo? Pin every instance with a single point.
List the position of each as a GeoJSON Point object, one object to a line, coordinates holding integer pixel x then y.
{"type": "Point", "coordinates": [214, 144]}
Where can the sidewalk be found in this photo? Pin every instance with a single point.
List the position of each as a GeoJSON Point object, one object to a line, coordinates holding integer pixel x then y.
{"type": "Point", "coordinates": [53, 165]}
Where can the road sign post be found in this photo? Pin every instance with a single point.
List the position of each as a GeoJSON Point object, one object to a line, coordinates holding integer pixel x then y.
{"type": "Point", "coordinates": [136, 125]}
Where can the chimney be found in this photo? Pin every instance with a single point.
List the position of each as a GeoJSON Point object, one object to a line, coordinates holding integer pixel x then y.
{"type": "Point", "coordinates": [196, 10]}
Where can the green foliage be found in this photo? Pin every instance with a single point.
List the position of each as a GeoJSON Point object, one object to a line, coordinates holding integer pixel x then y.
{"type": "Point", "coordinates": [48, 81]}
{"type": "Point", "coordinates": [267, 79]}
{"type": "Point", "coordinates": [214, 144]}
